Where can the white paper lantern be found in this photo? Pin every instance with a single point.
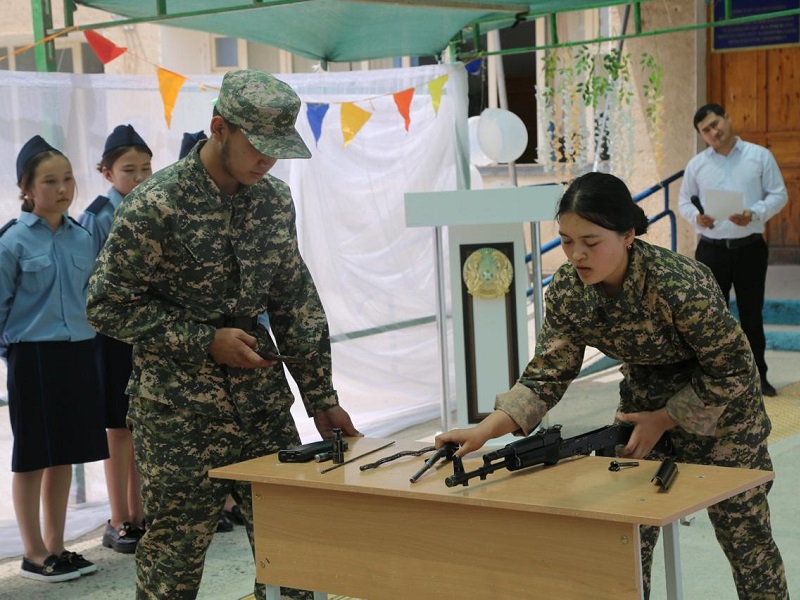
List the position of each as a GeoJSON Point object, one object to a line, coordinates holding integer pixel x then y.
{"type": "Point", "coordinates": [476, 155]}
{"type": "Point", "coordinates": [502, 135]}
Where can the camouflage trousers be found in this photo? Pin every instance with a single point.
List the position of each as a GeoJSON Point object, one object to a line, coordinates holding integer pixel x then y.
{"type": "Point", "coordinates": [741, 523]}
{"type": "Point", "coordinates": [175, 449]}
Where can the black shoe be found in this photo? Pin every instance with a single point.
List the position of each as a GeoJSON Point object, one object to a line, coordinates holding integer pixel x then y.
{"type": "Point", "coordinates": [76, 560]}
{"type": "Point", "coordinates": [53, 570]}
{"type": "Point", "coordinates": [224, 524]}
{"type": "Point", "coordinates": [767, 389]}
{"type": "Point", "coordinates": [122, 540]}
{"type": "Point", "coordinates": [234, 515]}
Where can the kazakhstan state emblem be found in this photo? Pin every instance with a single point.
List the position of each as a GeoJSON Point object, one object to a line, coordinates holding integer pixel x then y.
{"type": "Point", "coordinates": [488, 273]}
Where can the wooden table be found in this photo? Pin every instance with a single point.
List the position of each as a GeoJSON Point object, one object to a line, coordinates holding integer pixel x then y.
{"type": "Point", "coordinates": [567, 531]}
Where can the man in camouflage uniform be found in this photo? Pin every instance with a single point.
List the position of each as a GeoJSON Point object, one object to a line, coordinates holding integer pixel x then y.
{"type": "Point", "coordinates": [195, 254]}
{"type": "Point", "coordinates": [686, 362]}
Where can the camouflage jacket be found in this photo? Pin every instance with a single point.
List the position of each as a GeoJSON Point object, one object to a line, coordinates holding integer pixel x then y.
{"type": "Point", "coordinates": [679, 344]}
{"type": "Point", "coordinates": [179, 256]}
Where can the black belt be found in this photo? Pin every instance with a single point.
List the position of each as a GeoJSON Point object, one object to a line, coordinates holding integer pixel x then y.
{"type": "Point", "coordinates": [235, 321]}
{"type": "Point", "coordinates": [733, 243]}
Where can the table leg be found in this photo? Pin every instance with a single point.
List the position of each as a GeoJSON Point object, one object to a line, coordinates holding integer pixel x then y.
{"type": "Point", "coordinates": [672, 562]}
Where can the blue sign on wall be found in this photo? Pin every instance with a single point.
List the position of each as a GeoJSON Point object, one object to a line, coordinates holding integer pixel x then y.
{"type": "Point", "coordinates": [781, 31]}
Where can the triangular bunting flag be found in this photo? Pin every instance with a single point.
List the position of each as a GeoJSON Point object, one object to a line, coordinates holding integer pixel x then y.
{"type": "Point", "coordinates": [170, 84]}
{"type": "Point", "coordinates": [105, 49]}
{"type": "Point", "coordinates": [353, 119]}
{"type": "Point", "coordinates": [435, 88]}
{"type": "Point", "coordinates": [473, 67]}
{"type": "Point", "coordinates": [403, 101]}
{"type": "Point", "coordinates": [315, 112]}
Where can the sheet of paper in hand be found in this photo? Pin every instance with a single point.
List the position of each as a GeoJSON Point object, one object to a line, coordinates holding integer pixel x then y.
{"type": "Point", "coordinates": [721, 204]}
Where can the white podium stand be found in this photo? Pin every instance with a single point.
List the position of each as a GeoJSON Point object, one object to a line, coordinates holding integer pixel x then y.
{"type": "Point", "coordinates": [486, 248]}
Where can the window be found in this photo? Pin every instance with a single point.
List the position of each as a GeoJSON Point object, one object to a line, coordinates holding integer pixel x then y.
{"type": "Point", "coordinates": [89, 60]}
{"type": "Point", "coordinates": [24, 61]}
{"type": "Point", "coordinates": [228, 53]}
{"type": "Point", "coordinates": [70, 58]}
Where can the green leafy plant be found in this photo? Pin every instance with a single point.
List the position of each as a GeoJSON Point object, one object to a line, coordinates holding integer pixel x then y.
{"type": "Point", "coordinates": [618, 66]}
{"type": "Point", "coordinates": [654, 102]}
{"type": "Point", "coordinates": [585, 77]}
{"type": "Point", "coordinates": [652, 89]}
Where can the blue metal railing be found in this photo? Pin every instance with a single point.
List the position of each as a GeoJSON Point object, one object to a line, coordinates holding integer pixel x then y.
{"type": "Point", "coordinates": [666, 212]}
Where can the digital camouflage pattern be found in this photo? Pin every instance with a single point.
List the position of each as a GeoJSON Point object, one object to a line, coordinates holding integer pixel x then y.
{"type": "Point", "coordinates": [265, 108]}
{"type": "Point", "coordinates": [180, 447]}
{"type": "Point", "coordinates": [179, 256]}
{"type": "Point", "coordinates": [681, 350]}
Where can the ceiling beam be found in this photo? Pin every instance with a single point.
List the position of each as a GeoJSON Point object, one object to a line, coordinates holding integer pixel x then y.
{"type": "Point", "coordinates": [453, 5]}
{"type": "Point", "coordinates": [467, 56]}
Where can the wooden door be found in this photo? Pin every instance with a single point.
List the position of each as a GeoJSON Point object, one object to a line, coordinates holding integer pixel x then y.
{"type": "Point", "coordinates": [760, 90]}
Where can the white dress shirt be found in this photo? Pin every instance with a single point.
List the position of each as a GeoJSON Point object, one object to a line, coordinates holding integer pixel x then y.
{"type": "Point", "coordinates": [748, 168]}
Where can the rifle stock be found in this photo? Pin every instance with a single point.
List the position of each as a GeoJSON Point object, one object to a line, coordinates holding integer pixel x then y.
{"type": "Point", "coordinates": [543, 447]}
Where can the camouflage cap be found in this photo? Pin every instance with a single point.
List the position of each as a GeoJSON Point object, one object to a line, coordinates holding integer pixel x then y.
{"type": "Point", "coordinates": [265, 109]}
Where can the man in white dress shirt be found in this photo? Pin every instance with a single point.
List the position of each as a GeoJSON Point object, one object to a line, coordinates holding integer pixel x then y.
{"type": "Point", "coordinates": [734, 248]}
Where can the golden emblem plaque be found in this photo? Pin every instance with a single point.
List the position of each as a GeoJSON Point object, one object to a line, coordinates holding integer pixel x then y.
{"type": "Point", "coordinates": [488, 273]}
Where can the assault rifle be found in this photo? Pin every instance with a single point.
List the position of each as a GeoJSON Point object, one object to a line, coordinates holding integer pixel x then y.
{"type": "Point", "coordinates": [544, 447]}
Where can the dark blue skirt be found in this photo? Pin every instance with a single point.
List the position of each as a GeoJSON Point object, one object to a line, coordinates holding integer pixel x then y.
{"type": "Point", "coordinates": [57, 415]}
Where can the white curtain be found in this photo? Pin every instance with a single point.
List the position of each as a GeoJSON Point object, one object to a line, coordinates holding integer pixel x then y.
{"type": "Point", "coordinates": [375, 276]}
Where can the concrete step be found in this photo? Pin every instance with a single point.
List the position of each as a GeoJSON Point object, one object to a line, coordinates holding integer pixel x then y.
{"type": "Point", "coordinates": [781, 323]}
{"type": "Point", "coordinates": [782, 337]}
{"type": "Point", "coordinates": [777, 311]}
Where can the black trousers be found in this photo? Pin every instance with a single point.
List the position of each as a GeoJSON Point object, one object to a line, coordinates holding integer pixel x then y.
{"type": "Point", "coordinates": [745, 269]}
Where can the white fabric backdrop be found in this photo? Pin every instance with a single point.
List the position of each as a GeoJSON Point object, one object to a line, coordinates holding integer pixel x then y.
{"type": "Point", "coordinates": [372, 272]}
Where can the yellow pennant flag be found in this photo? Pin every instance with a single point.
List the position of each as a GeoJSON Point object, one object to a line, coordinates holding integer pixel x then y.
{"type": "Point", "coordinates": [170, 84]}
{"type": "Point", "coordinates": [353, 119]}
{"type": "Point", "coordinates": [435, 88]}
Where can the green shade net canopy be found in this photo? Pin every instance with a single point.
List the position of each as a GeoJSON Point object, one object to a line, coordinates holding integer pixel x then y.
{"type": "Point", "coordinates": [342, 30]}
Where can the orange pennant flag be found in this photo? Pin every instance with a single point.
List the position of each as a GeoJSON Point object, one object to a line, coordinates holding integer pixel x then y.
{"type": "Point", "coordinates": [435, 88]}
{"type": "Point", "coordinates": [353, 119]}
{"type": "Point", "coordinates": [105, 49]}
{"type": "Point", "coordinates": [170, 84]}
{"type": "Point", "coordinates": [403, 101]}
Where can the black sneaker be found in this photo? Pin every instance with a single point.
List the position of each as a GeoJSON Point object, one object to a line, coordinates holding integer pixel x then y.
{"type": "Point", "coordinates": [234, 515]}
{"type": "Point", "coordinates": [76, 560]}
{"type": "Point", "coordinates": [54, 570]}
{"type": "Point", "coordinates": [224, 524]}
{"type": "Point", "coordinates": [767, 389]}
{"type": "Point", "coordinates": [121, 539]}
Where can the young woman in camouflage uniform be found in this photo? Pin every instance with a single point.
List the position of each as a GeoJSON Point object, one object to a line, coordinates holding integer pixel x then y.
{"type": "Point", "coordinates": [687, 366]}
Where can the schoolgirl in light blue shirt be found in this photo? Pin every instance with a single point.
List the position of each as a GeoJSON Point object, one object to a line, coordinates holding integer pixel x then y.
{"type": "Point", "coordinates": [43, 279]}
{"type": "Point", "coordinates": [126, 162]}
{"type": "Point", "coordinates": [53, 388]}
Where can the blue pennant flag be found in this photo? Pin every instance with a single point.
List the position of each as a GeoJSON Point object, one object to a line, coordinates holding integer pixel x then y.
{"type": "Point", "coordinates": [316, 114]}
{"type": "Point", "coordinates": [473, 67]}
